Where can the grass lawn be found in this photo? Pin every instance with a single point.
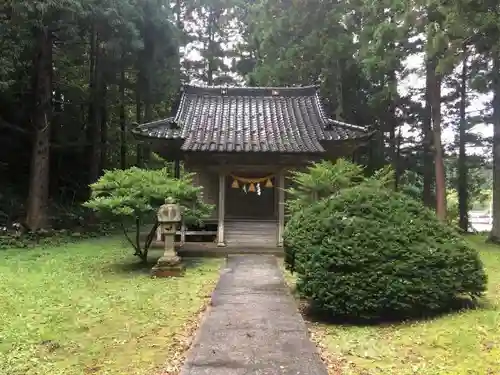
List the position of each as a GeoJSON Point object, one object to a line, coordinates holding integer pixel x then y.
{"type": "Point", "coordinates": [463, 343]}
{"type": "Point", "coordinates": [89, 308]}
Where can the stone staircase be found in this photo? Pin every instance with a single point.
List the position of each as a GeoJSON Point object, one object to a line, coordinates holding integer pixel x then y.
{"type": "Point", "coordinates": [251, 233]}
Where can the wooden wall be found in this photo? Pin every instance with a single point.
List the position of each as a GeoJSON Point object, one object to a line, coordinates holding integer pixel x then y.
{"type": "Point", "coordinates": [209, 180]}
{"type": "Point", "coordinates": [207, 176]}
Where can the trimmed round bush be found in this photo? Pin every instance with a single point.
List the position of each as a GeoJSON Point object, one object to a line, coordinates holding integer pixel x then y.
{"type": "Point", "coordinates": [371, 253]}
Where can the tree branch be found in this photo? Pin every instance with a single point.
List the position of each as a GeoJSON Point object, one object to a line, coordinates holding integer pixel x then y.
{"type": "Point", "coordinates": [150, 237]}
{"type": "Point", "coordinates": [137, 251]}
{"type": "Point", "coordinates": [5, 124]}
{"type": "Point", "coordinates": [138, 233]}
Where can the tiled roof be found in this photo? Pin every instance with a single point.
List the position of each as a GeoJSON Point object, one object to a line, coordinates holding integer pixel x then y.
{"type": "Point", "coordinates": [165, 128]}
{"type": "Point", "coordinates": [221, 119]}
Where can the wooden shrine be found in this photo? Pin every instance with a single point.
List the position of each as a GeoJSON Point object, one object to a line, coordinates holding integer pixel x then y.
{"type": "Point", "coordinates": [242, 143]}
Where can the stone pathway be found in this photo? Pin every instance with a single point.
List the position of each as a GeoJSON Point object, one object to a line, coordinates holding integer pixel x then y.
{"type": "Point", "coordinates": [253, 326]}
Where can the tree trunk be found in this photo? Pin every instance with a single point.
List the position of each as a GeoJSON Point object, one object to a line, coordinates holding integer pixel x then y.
{"type": "Point", "coordinates": [138, 117]}
{"type": "Point", "coordinates": [148, 66]}
{"type": "Point", "coordinates": [397, 167]}
{"type": "Point", "coordinates": [495, 229]}
{"type": "Point", "coordinates": [463, 199]}
{"type": "Point", "coordinates": [148, 109]}
{"type": "Point", "coordinates": [89, 127]}
{"type": "Point", "coordinates": [94, 121]}
{"type": "Point", "coordinates": [38, 196]}
{"type": "Point", "coordinates": [376, 151]}
{"type": "Point", "coordinates": [123, 119]}
{"type": "Point", "coordinates": [178, 13]}
{"type": "Point", "coordinates": [393, 124]}
{"type": "Point", "coordinates": [148, 117]}
{"type": "Point", "coordinates": [392, 146]}
{"type": "Point", "coordinates": [435, 96]}
{"type": "Point", "coordinates": [177, 168]}
{"type": "Point", "coordinates": [103, 109]}
{"type": "Point", "coordinates": [210, 47]}
{"type": "Point", "coordinates": [428, 162]}
{"type": "Point", "coordinates": [392, 120]}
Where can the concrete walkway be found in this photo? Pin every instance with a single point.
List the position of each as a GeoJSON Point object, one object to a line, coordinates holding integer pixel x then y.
{"type": "Point", "coordinates": [253, 326]}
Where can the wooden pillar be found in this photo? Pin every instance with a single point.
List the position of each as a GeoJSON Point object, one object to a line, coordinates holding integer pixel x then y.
{"type": "Point", "coordinates": [183, 233]}
{"type": "Point", "coordinates": [221, 209]}
{"type": "Point", "coordinates": [281, 207]}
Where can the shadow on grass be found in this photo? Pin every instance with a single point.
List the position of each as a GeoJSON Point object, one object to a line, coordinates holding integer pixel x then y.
{"type": "Point", "coordinates": [141, 268]}
{"type": "Point", "coordinates": [314, 314]}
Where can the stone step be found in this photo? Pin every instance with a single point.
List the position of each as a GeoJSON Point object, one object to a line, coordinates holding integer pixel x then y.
{"type": "Point", "coordinates": [204, 249]}
{"type": "Point", "coordinates": [251, 225]}
{"type": "Point", "coordinates": [250, 233]}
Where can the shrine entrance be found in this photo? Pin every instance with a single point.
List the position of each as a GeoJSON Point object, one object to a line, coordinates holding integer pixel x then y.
{"type": "Point", "coordinates": [251, 197]}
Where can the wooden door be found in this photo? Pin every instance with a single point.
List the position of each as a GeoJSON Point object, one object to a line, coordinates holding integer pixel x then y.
{"type": "Point", "coordinates": [244, 204]}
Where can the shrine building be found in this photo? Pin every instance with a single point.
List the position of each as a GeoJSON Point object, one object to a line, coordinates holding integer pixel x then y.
{"type": "Point", "coordinates": [241, 144]}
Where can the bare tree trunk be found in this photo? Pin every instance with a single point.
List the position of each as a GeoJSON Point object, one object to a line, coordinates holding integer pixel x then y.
{"type": "Point", "coordinates": [495, 229]}
{"type": "Point", "coordinates": [123, 119]}
{"type": "Point", "coordinates": [397, 167]}
{"type": "Point", "coordinates": [393, 124]}
{"type": "Point", "coordinates": [89, 127]}
{"type": "Point", "coordinates": [376, 150]}
{"type": "Point", "coordinates": [428, 167]}
{"type": "Point", "coordinates": [210, 47]}
{"type": "Point", "coordinates": [392, 146]}
{"type": "Point", "coordinates": [138, 115]}
{"type": "Point", "coordinates": [148, 69]}
{"type": "Point", "coordinates": [463, 198]}
{"type": "Point", "coordinates": [94, 121]}
{"type": "Point", "coordinates": [148, 107]}
{"type": "Point", "coordinates": [435, 96]}
{"type": "Point", "coordinates": [103, 111]}
{"type": "Point", "coordinates": [392, 83]}
{"type": "Point", "coordinates": [178, 13]}
{"type": "Point", "coordinates": [38, 195]}
{"type": "Point", "coordinates": [148, 117]}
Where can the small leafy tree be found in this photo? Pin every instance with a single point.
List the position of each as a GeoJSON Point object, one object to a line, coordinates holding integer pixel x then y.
{"type": "Point", "coordinates": [133, 196]}
{"type": "Point", "coordinates": [320, 180]}
{"type": "Point", "coordinates": [323, 179]}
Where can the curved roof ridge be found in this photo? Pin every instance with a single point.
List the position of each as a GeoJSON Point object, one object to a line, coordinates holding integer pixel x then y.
{"type": "Point", "coordinates": [163, 121]}
{"type": "Point", "coordinates": [164, 128]}
{"type": "Point", "coordinates": [328, 119]}
{"type": "Point", "coordinates": [284, 91]}
{"type": "Point", "coordinates": [347, 125]}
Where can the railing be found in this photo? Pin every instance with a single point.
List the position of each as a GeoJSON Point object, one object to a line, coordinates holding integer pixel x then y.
{"type": "Point", "coordinates": [480, 221]}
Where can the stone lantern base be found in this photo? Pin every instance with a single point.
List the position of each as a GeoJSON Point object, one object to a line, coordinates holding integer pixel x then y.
{"type": "Point", "coordinates": [170, 266]}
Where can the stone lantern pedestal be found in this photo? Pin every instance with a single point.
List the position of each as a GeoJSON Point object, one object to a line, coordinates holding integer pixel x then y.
{"type": "Point", "coordinates": [169, 217]}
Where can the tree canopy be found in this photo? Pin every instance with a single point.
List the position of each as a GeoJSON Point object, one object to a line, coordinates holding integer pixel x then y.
{"type": "Point", "coordinates": [75, 74]}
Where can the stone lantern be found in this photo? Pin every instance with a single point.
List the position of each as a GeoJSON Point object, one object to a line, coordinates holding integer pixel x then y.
{"type": "Point", "coordinates": [169, 216]}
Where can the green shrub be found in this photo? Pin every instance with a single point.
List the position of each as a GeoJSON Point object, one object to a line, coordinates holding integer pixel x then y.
{"type": "Point", "coordinates": [369, 252]}
{"type": "Point", "coordinates": [324, 179]}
